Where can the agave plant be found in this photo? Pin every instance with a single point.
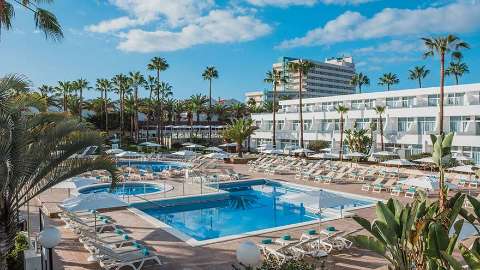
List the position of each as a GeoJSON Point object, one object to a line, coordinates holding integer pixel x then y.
{"type": "Point", "coordinates": [413, 236]}
{"type": "Point", "coordinates": [35, 154]}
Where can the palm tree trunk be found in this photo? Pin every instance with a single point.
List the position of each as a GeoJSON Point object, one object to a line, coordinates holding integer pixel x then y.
{"type": "Point", "coordinates": [148, 114]}
{"type": "Point", "coordinates": [274, 141]}
{"type": "Point", "coordinates": [136, 114]}
{"type": "Point", "coordinates": [419, 83]}
{"type": "Point", "coordinates": [209, 111]}
{"type": "Point", "coordinates": [64, 102]}
{"type": "Point", "coordinates": [442, 82]}
{"type": "Point", "coordinates": [160, 120]}
{"type": "Point", "coordinates": [381, 132]}
{"type": "Point", "coordinates": [7, 231]}
{"type": "Point", "coordinates": [359, 88]}
{"type": "Point", "coordinates": [456, 79]}
{"type": "Point", "coordinates": [341, 138]}
{"type": "Point", "coordinates": [239, 150]}
{"type": "Point", "coordinates": [106, 111]}
{"type": "Point", "coordinates": [301, 111]}
{"type": "Point", "coordinates": [121, 114]}
{"type": "Point", "coordinates": [388, 87]}
{"type": "Point", "coordinates": [80, 104]}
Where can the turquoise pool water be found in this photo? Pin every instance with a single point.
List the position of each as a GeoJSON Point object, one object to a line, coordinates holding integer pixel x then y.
{"type": "Point", "coordinates": [155, 166]}
{"type": "Point", "coordinates": [123, 189]}
{"type": "Point", "coordinates": [251, 206]}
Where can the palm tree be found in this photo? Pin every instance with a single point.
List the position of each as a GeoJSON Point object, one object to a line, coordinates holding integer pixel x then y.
{"type": "Point", "coordinates": [136, 80]}
{"type": "Point", "coordinates": [359, 79]}
{"type": "Point", "coordinates": [380, 110]}
{"type": "Point", "coordinates": [239, 131]}
{"type": "Point", "coordinates": [209, 74]}
{"type": "Point", "coordinates": [104, 86]}
{"type": "Point", "coordinates": [121, 85]}
{"type": "Point", "coordinates": [150, 84]}
{"type": "Point", "coordinates": [342, 110]}
{"type": "Point", "coordinates": [178, 109]}
{"type": "Point", "coordinates": [238, 110]}
{"type": "Point", "coordinates": [32, 162]}
{"type": "Point", "coordinates": [48, 93]}
{"type": "Point", "coordinates": [45, 21]}
{"type": "Point", "coordinates": [81, 84]}
{"type": "Point", "coordinates": [274, 77]}
{"type": "Point", "coordinates": [418, 73]}
{"type": "Point", "coordinates": [457, 69]}
{"type": "Point", "coordinates": [441, 46]}
{"type": "Point", "coordinates": [198, 102]}
{"type": "Point", "coordinates": [221, 111]}
{"type": "Point", "coordinates": [388, 79]}
{"type": "Point", "coordinates": [64, 88]}
{"type": "Point", "coordinates": [158, 64]}
{"type": "Point", "coordinates": [164, 91]}
{"type": "Point", "coordinates": [302, 67]}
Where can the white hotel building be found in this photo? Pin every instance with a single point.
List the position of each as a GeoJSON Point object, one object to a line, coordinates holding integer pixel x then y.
{"type": "Point", "coordinates": [410, 116]}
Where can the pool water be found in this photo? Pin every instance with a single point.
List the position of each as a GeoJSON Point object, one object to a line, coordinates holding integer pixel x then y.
{"type": "Point", "coordinates": [123, 189]}
{"type": "Point", "coordinates": [248, 207]}
{"type": "Point", "coordinates": [155, 166]}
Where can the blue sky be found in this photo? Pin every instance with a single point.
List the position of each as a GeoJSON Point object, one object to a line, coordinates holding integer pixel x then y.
{"type": "Point", "coordinates": [242, 38]}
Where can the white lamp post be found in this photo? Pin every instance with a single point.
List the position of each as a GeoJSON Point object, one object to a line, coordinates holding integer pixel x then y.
{"type": "Point", "coordinates": [248, 254]}
{"type": "Point", "coordinates": [49, 238]}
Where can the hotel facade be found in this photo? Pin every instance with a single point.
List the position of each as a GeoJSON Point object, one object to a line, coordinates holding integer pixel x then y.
{"type": "Point", "coordinates": [328, 78]}
{"type": "Point", "coordinates": [410, 117]}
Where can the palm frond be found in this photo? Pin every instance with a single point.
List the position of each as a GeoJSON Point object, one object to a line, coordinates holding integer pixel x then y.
{"type": "Point", "coordinates": [48, 23]}
{"type": "Point", "coordinates": [7, 12]}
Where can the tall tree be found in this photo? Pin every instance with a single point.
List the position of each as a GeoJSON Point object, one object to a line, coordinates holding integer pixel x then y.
{"type": "Point", "coordinates": [49, 95]}
{"type": "Point", "coordinates": [442, 46]}
{"type": "Point", "coordinates": [342, 110]}
{"type": "Point", "coordinates": [80, 85]}
{"type": "Point", "coordinates": [388, 79]}
{"type": "Point", "coordinates": [198, 102]}
{"type": "Point", "coordinates": [158, 64]}
{"type": "Point", "coordinates": [457, 69]}
{"type": "Point", "coordinates": [380, 110]}
{"type": "Point", "coordinates": [104, 86]}
{"type": "Point", "coordinates": [45, 21]}
{"type": "Point", "coordinates": [136, 80]}
{"type": "Point", "coordinates": [64, 88]}
{"type": "Point", "coordinates": [239, 131]}
{"type": "Point", "coordinates": [209, 74]}
{"type": "Point", "coordinates": [302, 67]}
{"type": "Point", "coordinates": [164, 91]}
{"type": "Point", "coordinates": [151, 84]}
{"type": "Point", "coordinates": [418, 74]}
{"type": "Point", "coordinates": [274, 77]}
{"type": "Point", "coordinates": [359, 80]}
{"type": "Point", "coordinates": [121, 86]}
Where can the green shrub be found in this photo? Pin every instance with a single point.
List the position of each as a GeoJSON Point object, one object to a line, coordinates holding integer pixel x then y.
{"type": "Point", "coordinates": [293, 264]}
{"type": "Point", "coordinates": [318, 145]}
{"type": "Point", "coordinates": [15, 257]}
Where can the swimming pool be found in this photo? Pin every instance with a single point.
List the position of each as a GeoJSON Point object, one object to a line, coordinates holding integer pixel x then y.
{"type": "Point", "coordinates": [128, 188]}
{"type": "Point", "coordinates": [155, 166]}
{"type": "Point", "coordinates": [248, 207]}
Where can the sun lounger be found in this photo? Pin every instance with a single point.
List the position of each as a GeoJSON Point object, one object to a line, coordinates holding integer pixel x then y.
{"type": "Point", "coordinates": [410, 193]}
{"type": "Point", "coordinates": [380, 186]}
{"type": "Point", "coordinates": [367, 186]}
{"type": "Point", "coordinates": [117, 239]}
{"type": "Point", "coordinates": [314, 247]}
{"type": "Point", "coordinates": [135, 259]}
{"type": "Point", "coordinates": [396, 190]}
{"type": "Point", "coordinates": [279, 252]}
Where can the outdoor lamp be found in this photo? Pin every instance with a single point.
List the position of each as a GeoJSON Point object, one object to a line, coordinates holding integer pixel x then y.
{"type": "Point", "coordinates": [49, 238]}
{"type": "Point", "coordinates": [248, 254]}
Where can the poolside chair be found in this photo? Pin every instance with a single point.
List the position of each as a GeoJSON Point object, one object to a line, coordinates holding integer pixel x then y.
{"type": "Point", "coordinates": [396, 190]}
{"type": "Point", "coordinates": [277, 251]}
{"type": "Point", "coordinates": [410, 192]}
{"type": "Point", "coordinates": [367, 186]}
{"type": "Point", "coordinates": [380, 186]}
{"type": "Point", "coordinates": [314, 247]}
{"type": "Point", "coordinates": [135, 259]}
{"type": "Point", "coordinates": [107, 238]}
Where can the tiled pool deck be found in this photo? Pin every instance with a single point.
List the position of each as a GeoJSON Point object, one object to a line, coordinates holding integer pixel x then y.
{"type": "Point", "coordinates": [70, 254]}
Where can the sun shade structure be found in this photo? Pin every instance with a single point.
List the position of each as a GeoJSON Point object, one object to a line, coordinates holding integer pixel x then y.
{"type": "Point", "coordinates": [464, 169]}
{"type": "Point", "coordinates": [194, 146]}
{"type": "Point", "coordinates": [398, 162]}
{"type": "Point", "coordinates": [213, 149]}
{"type": "Point", "coordinates": [228, 145]}
{"type": "Point", "coordinates": [114, 151]}
{"type": "Point", "coordinates": [302, 150]}
{"type": "Point", "coordinates": [93, 201]}
{"type": "Point", "coordinates": [217, 155]}
{"type": "Point", "coordinates": [74, 183]}
{"type": "Point", "coordinates": [130, 154]}
{"type": "Point", "coordinates": [273, 151]}
{"type": "Point", "coordinates": [385, 154]}
{"type": "Point", "coordinates": [425, 160]}
{"type": "Point", "coordinates": [325, 156]}
{"type": "Point", "coordinates": [150, 144]}
{"type": "Point", "coordinates": [426, 182]}
{"type": "Point", "coordinates": [355, 155]}
{"type": "Point", "coordinates": [184, 153]}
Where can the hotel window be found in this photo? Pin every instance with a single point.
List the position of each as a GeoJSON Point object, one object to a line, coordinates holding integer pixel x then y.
{"type": "Point", "coordinates": [280, 124]}
{"type": "Point", "coordinates": [296, 125]}
{"type": "Point", "coordinates": [336, 124]}
{"type": "Point", "coordinates": [404, 123]}
{"type": "Point", "coordinates": [407, 102]}
{"type": "Point", "coordinates": [307, 124]}
{"type": "Point", "coordinates": [362, 123]}
{"type": "Point", "coordinates": [459, 123]}
{"type": "Point", "coordinates": [393, 102]}
{"type": "Point", "coordinates": [455, 99]}
{"type": "Point", "coordinates": [357, 104]}
{"type": "Point", "coordinates": [433, 100]}
{"type": "Point", "coordinates": [323, 125]}
{"type": "Point", "coordinates": [426, 125]}
{"type": "Point", "coordinates": [369, 103]}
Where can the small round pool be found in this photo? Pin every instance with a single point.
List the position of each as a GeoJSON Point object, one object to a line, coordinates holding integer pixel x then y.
{"type": "Point", "coordinates": [127, 188]}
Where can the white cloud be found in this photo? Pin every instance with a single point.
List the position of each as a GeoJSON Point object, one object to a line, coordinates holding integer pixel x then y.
{"type": "Point", "coordinates": [393, 46]}
{"type": "Point", "coordinates": [113, 25]}
{"type": "Point", "coordinates": [282, 3]}
{"type": "Point", "coordinates": [219, 26]}
{"type": "Point", "coordinates": [286, 3]}
{"type": "Point", "coordinates": [454, 18]}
